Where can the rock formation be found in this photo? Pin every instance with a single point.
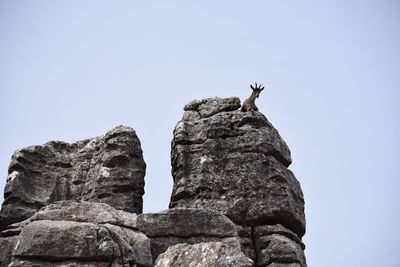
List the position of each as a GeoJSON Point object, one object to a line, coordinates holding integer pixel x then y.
{"type": "Point", "coordinates": [234, 202]}
{"type": "Point", "coordinates": [78, 233]}
{"type": "Point", "coordinates": [108, 169]}
{"type": "Point", "coordinates": [236, 163]}
{"type": "Point", "coordinates": [190, 226]}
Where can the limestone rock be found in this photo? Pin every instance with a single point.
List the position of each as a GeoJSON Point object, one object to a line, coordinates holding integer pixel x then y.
{"type": "Point", "coordinates": [175, 226]}
{"type": "Point", "coordinates": [62, 233]}
{"type": "Point", "coordinates": [246, 241]}
{"type": "Point", "coordinates": [211, 254]}
{"type": "Point", "coordinates": [266, 230]}
{"type": "Point", "coordinates": [210, 106]}
{"type": "Point", "coordinates": [83, 211]}
{"type": "Point", "coordinates": [274, 243]}
{"type": "Point", "coordinates": [43, 263]}
{"type": "Point", "coordinates": [108, 169]}
{"type": "Point", "coordinates": [7, 245]}
{"type": "Point", "coordinates": [189, 222]}
{"type": "Point", "coordinates": [234, 200]}
{"type": "Point", "coordinates": [236, 163]}
{"type": "Point", "coordinates": [64, 240]}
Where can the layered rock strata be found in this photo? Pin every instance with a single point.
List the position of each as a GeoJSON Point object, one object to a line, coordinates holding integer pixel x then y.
{"type": "Point", "coordinates": [108, 169]}
{"type": "Point", "coordinates": [80, 233]}
{"type": "Point", "coordinates": [236, 163]}
{"type": "Point", "coordinates": [190, 226]}
{"type": "Point", "coordinates": [76, 233]}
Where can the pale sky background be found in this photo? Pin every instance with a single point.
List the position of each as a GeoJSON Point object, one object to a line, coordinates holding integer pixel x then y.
{"type": "Point", "coordinates": [71, 70]}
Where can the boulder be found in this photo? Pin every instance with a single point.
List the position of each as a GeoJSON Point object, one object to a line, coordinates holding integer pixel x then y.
{"type": "Point", "coordinates": [65, 240]}
{"type": "Point", "coordinates": [215, 254]}
{"type": "Point", "coordinates": [108, 169]}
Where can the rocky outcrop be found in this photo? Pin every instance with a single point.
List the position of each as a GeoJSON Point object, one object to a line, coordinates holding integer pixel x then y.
{"type": "Point", "coordinates": [234, 200]}
{"type": "Point", "coordinates": [108, 169]}
{"type": "Point", "coordinates": [80, 233]}
{"type": "Point", "coordinates": [236, 163]}
{"type": "Point", "coordinates": [76, 233]}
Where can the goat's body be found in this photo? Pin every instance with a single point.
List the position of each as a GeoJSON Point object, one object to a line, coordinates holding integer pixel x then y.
{"type": "Point", "coordinates": [249, 105]}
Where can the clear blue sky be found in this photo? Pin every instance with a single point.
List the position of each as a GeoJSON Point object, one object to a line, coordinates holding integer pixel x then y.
{"type": "Point", "coordinates": [70, 70]}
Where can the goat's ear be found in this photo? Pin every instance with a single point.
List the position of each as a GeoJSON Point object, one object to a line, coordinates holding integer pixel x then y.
{"type": "Point", "coordinates": [262, 88]}
{"type": "Point", "coordinates": [251, 86]}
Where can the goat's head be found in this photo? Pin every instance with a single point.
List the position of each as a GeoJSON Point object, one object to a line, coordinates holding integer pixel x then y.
{"type": "Point", "coordinates": [257, 89]}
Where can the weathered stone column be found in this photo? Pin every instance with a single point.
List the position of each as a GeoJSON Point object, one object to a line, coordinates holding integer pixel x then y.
{"type": "Point", "coordinates": [236, 163]}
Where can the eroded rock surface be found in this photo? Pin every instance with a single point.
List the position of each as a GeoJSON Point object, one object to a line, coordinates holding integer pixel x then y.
{"type": "Point", "coordinates": [108, 169]}
{"type": "Point", "coordinates": [210, 254]}
{"type": "Point", "coordinates": [236, 163]}
{"type": "Point", "coordinates": [175, 226]}
{"type": "Point", "coordinates": [7, 245]}
{"type": "Point", "coordinates": [61, 233]}
{"type": "Point", "coordinates": [234, 200]}
{"type": "Point", "coordinates": [275, 243]}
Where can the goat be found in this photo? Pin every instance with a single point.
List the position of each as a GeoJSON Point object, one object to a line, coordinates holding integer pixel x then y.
{"type": "Point", "coordinates": [249, 104]}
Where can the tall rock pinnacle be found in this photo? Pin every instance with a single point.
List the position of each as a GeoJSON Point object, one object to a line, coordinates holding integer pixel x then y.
{"type": "Point", "coordinates": [236, 163]}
